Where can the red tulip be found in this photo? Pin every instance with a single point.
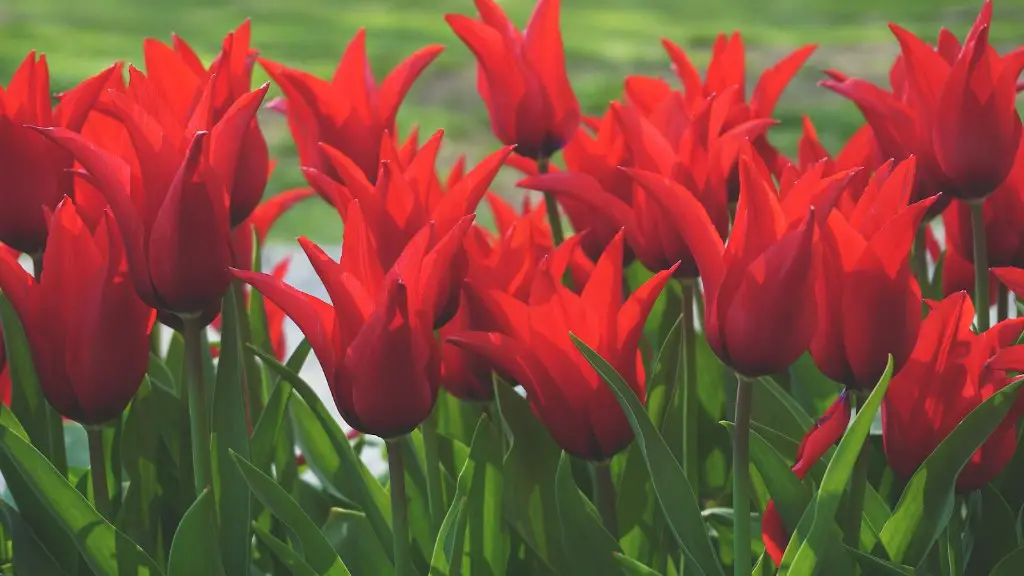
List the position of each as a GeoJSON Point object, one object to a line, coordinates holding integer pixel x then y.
{"type": "Point", "coordinates": [375, 340]}
{"type": "Point", "coordinates": [522, 77]}
{"type": "Point", "coordinates": [350, 113]}
{"type": "Point", "coordinates": [509, 265]}
{"type": "Point", "coordinates": [1003, 211]}
{"type": "Point", "coordinates": [34, 171]}
{"type": "Point", "coordinates": [860, 151]}
{"type": "Point", "coordinates": [759, 290]}
{"type": "Point", "coordinates": [180, 78]}
{"type": "Point", "coordinates": [869, 303]}
{"type": "Point", "coordinates": [533, 348]}
{"type": "Point", "coordinates": [86, 327]}
{"type": "Point", "coordinates": [950, 372]}
{"type": "Point", "coordinates": [261, 221]}
{"type": "Point", "coordinates": [173, 212]}
{"type": "Point", "coordinates": [825, 432]}
{"type": "Point", "coordinates": [403, 200]}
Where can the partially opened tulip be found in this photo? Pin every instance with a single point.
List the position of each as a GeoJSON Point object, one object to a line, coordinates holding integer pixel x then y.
{"type": "Point", "coordinates": [950, 372]}
{"type": "Point", "coordinates": [87, 329]}
{"type": "Point", "coordinates": [522, 77]}
{"type": "Point", "coordinates": [349, 113]}
{"type": "Point", "coordinates": [257, 226]}
{"type": "Point", "coordinates": [35, 173]}
{"type": "Point", "coordinates": [174, 213]}
{"type": "Point", "coordinates": [533, 348]}
{"type": "Point", "coordinates": [180, 78]}
{"type": "Point", "coordinates": [376, 316]}
{"type": "Point", "coordinates": [869, 303]}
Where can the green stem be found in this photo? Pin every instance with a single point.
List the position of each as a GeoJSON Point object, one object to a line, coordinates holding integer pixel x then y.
{"type": "Point", "coordinates": [919, 256]}
{"type": "Point", "coordinates": [1003, 304]}
{"type": "Point", "coordinates": [433, 472]}
{"type": "Point", "coordinates": [252, 383]}
{"type": "Point", "coordinates": [980, 265]}
{"type": "Point", "coordinates": [858, 487]}
{"type": "Point", "coordinates": [552, 206]}
{"type": "Point", "coordinates": [688, 354]}
{"type": "Point", "coordinates": [98, 471]}
{"type": "Point", "coordinates": [607, 501]}
{"type": "Point", "coordinates": [742, 564]}
{"type": "Point", "coordinates": [199, 414]}
{"type": "Point", "coordinates": [399, 508]}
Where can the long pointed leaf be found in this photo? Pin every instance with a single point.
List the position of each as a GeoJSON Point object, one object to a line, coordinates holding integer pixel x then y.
{"type": "Point", "coordinates": [585, 539]}
{"type": "Point", "coordinates": [194, 549]}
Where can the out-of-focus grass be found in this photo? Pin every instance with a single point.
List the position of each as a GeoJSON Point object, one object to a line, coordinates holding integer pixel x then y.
{"type": "Point", "coordinates": [605, 40]}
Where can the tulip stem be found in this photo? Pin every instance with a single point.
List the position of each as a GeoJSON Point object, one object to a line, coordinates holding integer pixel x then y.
{"type": "Point", "coordinates": [858, 487]}
{"type": "Point", "coordinates": [980, 265]}
{"type": "Point", "coordinates": [552, 205]}
{"type": "Point", "coordinates": [98, 471]}
{"type": "Point", "coordinates": [1003, 304]}
{"type": "Point", "coordinates": [198, 413]}
{"type": "Point", "coordinates": [605, 496]}
{"type": "Point", "coordinates": [399, 507]}
{"type": "Point", "coordinates": [742, 565]}
{"type": "Point", "coordinates": [433, 472]}
{"type": "Point", "coordinates": [688, 355]}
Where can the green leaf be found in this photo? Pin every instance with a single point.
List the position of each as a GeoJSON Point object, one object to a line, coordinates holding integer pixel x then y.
{"type": "Point", "coordinates": [194, 549]}
{"type": "Point", "coordinates": [632, 567]}
{"type": "Point", "coordinates": [811, 547]}
{"type": "Point", "coordinates": [873, 566]}
{"type": "Point", "coordinates": [230, 433]}
{"type": "Point", "coordinates": [268, 428]}
{"type": "Point", "coordinates": [994, 529]}
{"type": "Point", "coordinates": [764, 566]}
{"type": "Point", "coordinates": [475, 512]}
{"type": "Point", "coordinates": [791, 496]}
{"type": "Point", "coordinates": [106, 550]}
{"type": "Point", "coordinates": [814, 391]}
{"type": "Point", "coordinates": [40, 420]}
{"type": "Point", "coordinates": [30, 556]}
{"type": "Point", "coordinates": [779, 411]}
{"type": "Point", "coordinates": [159, 374]}
{"type": "Point", "coordinates": [317, 550]}
{"type": "Point", "coordinates": [585, 539]}
{"type": "Point", "coordinates": [290, 558]}
{"type": "Point", "coordinates": [1011, 565]}
{"type": "Point", "coordinates": [351, 536]}
{"type": "Point", "coordinates": [531, 463]}
{"type": "Point", "coordinates": [678, 502]}
{"type": "Point", "coordinates": [139, 445]}
{"type": "Point", "coordinates": [927, 502]}
{"type": "Point", "coordinates": [330, 455]}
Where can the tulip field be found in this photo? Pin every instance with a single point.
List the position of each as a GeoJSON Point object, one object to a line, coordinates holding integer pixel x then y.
{"type": "Point", "coordinates": [732, 289]}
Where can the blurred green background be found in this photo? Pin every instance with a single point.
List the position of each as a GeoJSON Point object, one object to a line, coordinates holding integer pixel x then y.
{"type": "Point", "coordinates": [605, 40]}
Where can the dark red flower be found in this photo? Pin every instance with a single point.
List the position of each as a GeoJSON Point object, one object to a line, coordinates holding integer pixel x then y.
{"type": "Point", "coordinates": [86, 327]}
{"type": "Point", "coordinates": [826, 431]}
{"type": "Point", "coordinates": [506, 264]}
{"type": "Point", "coordinates": [522, 77]}
{"type": "Point", "coordinates": [759, 289]}
{"type": "Point", "coordinates": [950, 372]}
{"type": "Point", "coordinates": [173, 210]}
{"type": "Point", "coordinates": [405, 199]}
{"type": "Point", "coordinates": [375, 341]}
{"type": "Point", "coordinates": [869, 303]}
{"type": "Point", "coordinates": [35, 172]}
{"type": "Point", "coordinates": [180, 78]}
{"type": "Point", "coordinates": [349, 113]}
{"type": "Point", "coordinates": [860, 151]}
{"type": "Point", "coordinates": [532, 347]}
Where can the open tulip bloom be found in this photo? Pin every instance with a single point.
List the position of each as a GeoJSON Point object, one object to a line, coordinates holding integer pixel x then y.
{"type": "Point", "coordinates": [744, 357]}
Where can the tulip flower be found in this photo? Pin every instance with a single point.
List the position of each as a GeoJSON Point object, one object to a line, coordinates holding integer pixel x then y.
{"type": "Point", "coordinates": [950, 372]}
{"type": "Point", "coordinates": [172, 212]}
{"type": "Point", "coordinates": [376, 316]}
{"type": "Point", "coordinates": [87, 329]}
{"type": "Point", "coordinates": [350, 113]}
{"type": "Point", "coordinates": [403, 200]}
{"type": "Point", "coordinates": [761, 284]}
{"type": "Point", "coordinates": [507, 265]}
{"type": "Point", "coordinates": [533, 348]}
{"type": "Point", "coordinates": [826, 431]}
{"type": "Point", "coordinates": [860, 151]}
{"type": "Point", "coordinates": [260, 222]}
{"type": "Point", "coordinates": [180, 77]}
{"type": "Point", "coordinates": [35, 171]}
{"type": "Point", "coordinates": [869, 303]}
{"type": "Point", "coordinates": [522, 77]}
